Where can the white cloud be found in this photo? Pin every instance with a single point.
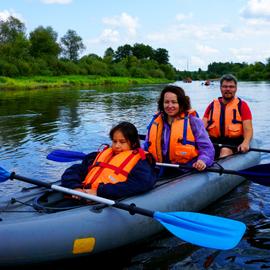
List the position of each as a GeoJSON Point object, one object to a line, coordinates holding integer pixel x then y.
{"type": "Point", "coordinates": [62, 2]}
{"type": "Point", "coordinates": [124, 22]}
{"type": "Point", "coordinates": [196, 61]}
{"type": "Point", "coordinates": [7, 13]}
{"type": "Point", "coordinates": [121, 29]}
{"type": "Point", "coordinates": [242, 54]}
{"type": "Point", "coordinates": [256, 9]}
{"type": "Point", "coordinates": [178, 32]}
{"type": "Point", "coordinates": [107, 36]}
{"type": "Point", "coordinates": [204, 49]}
{"type": "Point", "coordinates": [250, 54]}
{"type": "Point", "coordinates": [181, 16]}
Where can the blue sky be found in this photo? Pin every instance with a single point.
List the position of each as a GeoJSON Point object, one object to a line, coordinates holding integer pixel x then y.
{"type": "Point", "coordinates": [195, 32]}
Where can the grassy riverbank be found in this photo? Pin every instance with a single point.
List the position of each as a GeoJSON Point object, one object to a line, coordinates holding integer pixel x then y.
{"type": "Point", "coordinates": [37, 82]}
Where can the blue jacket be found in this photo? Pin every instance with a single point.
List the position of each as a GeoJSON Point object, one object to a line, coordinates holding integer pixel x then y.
{"type": "Point", "coordinates": [141, 179]}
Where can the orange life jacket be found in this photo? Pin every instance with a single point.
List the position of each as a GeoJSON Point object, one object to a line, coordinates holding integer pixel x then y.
{"type": "Point", "coordinates": [109, 168]}
{"type": "Point", "coordinates": [182, 147]}
{"type": "Point", "coordinates": [225, 123]}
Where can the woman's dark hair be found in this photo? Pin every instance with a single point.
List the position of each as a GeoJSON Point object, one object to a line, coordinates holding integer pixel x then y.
{"type": "Point", "coordinates": [130, 133]}
{"type": "Point", "coordinates": [183, 100]}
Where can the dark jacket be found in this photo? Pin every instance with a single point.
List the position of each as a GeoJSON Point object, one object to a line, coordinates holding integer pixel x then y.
{"type": "Point", "coordinates": [141, 179]}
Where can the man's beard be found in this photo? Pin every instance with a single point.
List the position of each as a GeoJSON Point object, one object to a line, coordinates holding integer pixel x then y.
{"type": "Point", "coordinates": [228, 98]}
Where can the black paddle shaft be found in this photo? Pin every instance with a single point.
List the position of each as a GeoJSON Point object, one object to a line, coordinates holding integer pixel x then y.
{"type": "Point", "coordinates": [235, 146]}
{"type": "Point", "coordinates": [30, 181]}
{"type": "Point", "coordinates": [133, 209]}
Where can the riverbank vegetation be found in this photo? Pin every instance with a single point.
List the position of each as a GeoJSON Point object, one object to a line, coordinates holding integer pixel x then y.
{"type": "Point", "coordinates": [73, 81]}
{"type": "Point", "coordinates": [41, 59]}
{"type": "Point", "coordinates": [244, 72]}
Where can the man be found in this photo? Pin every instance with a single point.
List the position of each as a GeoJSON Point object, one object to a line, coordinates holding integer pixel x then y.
{"type": "Point", "coordinates": [228, 119]}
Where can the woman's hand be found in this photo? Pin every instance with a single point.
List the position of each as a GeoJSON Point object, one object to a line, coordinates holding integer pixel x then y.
{"type": "Point", "coordinates": [199, 165]}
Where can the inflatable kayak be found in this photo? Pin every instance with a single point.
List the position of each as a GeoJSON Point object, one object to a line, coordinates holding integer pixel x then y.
{"type": "Point", "coordinates": [40, 225]}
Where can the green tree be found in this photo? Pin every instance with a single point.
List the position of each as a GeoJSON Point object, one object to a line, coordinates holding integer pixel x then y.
{"type": "Point", "coordinates": [72, 45]}
{"type": "Point", "coordinates": [142, 51]}
{"type": "Point", "coordinates": [11, 29]}
{"type": "Point", "coordinates": [109, 55]}
{"type": "Point", "coordinates": [123, 52]}
{"type": "Point", "coordinates": [44, 43]}
{"type": "Point", "coordinates": [14, 47]}
{"type": "Point", "coordinates": [161, 56]}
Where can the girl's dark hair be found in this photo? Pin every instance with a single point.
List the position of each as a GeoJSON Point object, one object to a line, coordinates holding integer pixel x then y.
{"type": "Point", "coordinates": [183, 100]}
{"type": "Point", "coordinates": [130, 133]}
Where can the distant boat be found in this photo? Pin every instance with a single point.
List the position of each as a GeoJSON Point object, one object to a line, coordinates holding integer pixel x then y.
{"type": "Point", "coordinates": [187, 80]}
{"type": "Point", "coordinates": [207, 82]}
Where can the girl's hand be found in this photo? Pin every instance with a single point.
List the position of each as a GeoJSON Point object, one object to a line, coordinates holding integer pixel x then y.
{"type": "Point", "coordinates": [91, 191]}
{"type": "Point", "coordinates": [199, 165]}
{"type": "Point", "coordinates": [76, 196]}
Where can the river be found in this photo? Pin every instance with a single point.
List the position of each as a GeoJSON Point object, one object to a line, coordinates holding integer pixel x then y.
{"type": "Point", "coordinates": [33, 123]}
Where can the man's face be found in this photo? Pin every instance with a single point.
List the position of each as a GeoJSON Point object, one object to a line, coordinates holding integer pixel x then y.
{"type": "Point", "coordinates": [228, 90]}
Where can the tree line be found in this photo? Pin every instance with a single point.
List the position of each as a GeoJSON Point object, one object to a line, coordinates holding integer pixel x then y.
{"type": "Point", "coordinates": [243, 71]}
{"type": "Point", "coordinates": [40, 53]}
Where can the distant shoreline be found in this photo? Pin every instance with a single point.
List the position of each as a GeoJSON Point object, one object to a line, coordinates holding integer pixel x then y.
{"type": "Point", "coordinates": [45, 82]}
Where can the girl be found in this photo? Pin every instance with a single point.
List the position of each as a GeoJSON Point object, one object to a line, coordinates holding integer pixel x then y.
{"type": "Point", "coordinates": [121, 170]}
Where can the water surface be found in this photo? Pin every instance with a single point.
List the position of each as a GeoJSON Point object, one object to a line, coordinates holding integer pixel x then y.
{"type": "Point", "coordinates": [33, 123]}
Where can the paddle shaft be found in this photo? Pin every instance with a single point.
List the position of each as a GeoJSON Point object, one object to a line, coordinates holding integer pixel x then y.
{"type": "Point", "coordinates": [131, 208]}
{"type": "Point", "coordinates": [235, 146]}
{"type": "Point", "coordinates": [216, 170]}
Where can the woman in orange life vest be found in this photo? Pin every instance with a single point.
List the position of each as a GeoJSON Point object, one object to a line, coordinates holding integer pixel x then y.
{"type": "Point", "coordinates": [176, 134]}
{"type": "Point", "coordinates": [123, 169]}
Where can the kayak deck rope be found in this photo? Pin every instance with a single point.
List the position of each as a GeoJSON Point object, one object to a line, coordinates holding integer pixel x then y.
{"type": "Point", "coordinates": [12, 201]}
{"type": "Point", "coordinates": [220, 167]}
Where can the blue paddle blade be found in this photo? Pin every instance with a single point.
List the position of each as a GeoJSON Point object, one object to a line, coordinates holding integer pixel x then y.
{"type": "Point", "coordinates": [4, 175]}
{"type": "Point", "coordinates": [259, 174]}
{"type": "Point", "coordinates": [203, 230]}
{"type": "Point", "coordinates": [65, 155]}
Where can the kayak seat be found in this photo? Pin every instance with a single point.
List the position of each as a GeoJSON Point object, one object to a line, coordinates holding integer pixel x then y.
{"type": "Point", "coordinates": [54, 201]}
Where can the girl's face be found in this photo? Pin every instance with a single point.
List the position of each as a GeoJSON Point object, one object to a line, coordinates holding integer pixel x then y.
{"type": "Point", "coordinates": [120, 143]}
{"type": "Point", "coordinates": [170, 104]}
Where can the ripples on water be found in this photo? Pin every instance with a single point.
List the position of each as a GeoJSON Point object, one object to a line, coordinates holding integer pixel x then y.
{"type": "Point", "coordinates": [33, 123]}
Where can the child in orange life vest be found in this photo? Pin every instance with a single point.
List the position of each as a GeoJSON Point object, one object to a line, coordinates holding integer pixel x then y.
{"type": "Point", "coordinates": [123, 169]}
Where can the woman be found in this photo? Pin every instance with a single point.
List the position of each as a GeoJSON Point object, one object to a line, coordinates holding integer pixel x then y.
{"type": "Point", "coordinates": [121, 170]}
{"type": "Point", "coordinates": [176, 134]}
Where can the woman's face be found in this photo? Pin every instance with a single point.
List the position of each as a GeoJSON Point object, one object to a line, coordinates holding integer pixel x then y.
{"type": "Point", "coordinates": [170, 104]}
{"type": "Point", "coordinates": [120, 143]}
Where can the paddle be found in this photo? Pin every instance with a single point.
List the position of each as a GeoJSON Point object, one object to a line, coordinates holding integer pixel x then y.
{"type": "Point", "coordinates": [235, 146]}
{"type": "Point", "coordinates": [259, 174]}
{"type": "Point", "coordinates": [199, 229]}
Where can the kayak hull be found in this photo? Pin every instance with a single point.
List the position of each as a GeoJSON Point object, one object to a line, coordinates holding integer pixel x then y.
{"type": "Point", "coordinates": [31, 235]}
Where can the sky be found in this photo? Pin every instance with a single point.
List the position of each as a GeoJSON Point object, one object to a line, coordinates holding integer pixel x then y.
{"type": "Point", "coordinates": [194, 32]}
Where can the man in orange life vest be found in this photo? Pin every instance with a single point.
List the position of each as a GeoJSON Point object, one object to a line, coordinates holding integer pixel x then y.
{"type": "Point", "coordinates": [228, 119]}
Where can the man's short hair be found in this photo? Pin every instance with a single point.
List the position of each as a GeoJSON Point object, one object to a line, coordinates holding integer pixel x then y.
{"type": "Point", "coordinates": [228, 77]}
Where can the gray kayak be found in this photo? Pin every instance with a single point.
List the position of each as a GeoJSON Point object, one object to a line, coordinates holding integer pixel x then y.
{"type": "Point", "coordinates": [37, 225]}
